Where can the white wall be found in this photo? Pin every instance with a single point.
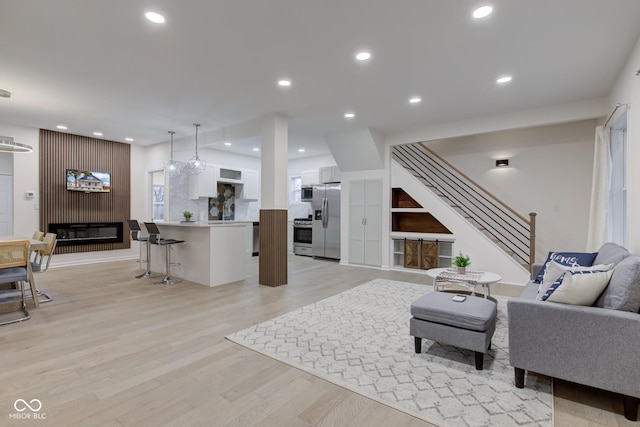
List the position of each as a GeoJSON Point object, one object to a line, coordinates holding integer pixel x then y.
{"type": "Point", "coordinates": [549, 173]}
{"type": "Point", "coordinates": [627, 91]}
{"type": "Point", "coordinates": [26, 177]}
{"type": "Point", "coordinates": [297, 166]}
{"type": "Point", "coordinates": [6, 163]}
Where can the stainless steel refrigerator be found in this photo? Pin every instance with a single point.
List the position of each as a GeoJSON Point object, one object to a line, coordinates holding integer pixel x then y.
{"type": "Point", "coordinates": [325, 238]}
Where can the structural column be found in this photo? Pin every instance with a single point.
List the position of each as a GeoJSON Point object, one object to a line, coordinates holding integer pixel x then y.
{"type": "Point", "coordinates": [274, 198]}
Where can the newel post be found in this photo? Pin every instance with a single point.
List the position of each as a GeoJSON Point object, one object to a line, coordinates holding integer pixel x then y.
{"type": "Point", "coordinates": [532, 238]}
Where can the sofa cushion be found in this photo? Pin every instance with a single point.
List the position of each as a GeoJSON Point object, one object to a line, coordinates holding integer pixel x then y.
{"type": "Point", "coordinates": [555, 270]}
{"type": "Point", "coordinates": [623, 292]}
{"type": "Point", "coordinates": [611, 253]}
{"type": "Point", "coordinates": [573, 259]}
{"type": "Point", "coordinates": [578, 287]}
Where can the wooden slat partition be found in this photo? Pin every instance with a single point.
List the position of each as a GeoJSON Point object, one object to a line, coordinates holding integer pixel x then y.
{"type": "Point", "coordinates": [273, 269]}
{"type": "Point", "coordinates": [61, 151]}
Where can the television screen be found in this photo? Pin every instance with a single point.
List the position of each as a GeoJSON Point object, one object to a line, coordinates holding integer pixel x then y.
{"type": "Point", "coordinates": [88, 181]}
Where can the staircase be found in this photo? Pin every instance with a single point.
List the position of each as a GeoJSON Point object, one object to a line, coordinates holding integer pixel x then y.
{"type": "Point", "coordinates": [508, 230]}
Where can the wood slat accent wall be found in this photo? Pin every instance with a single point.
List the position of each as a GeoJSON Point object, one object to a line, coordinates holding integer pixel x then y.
{"type": "Point", "coordinates": [62, 151]}
{"type": "Point", "coordinates": [273, 269]}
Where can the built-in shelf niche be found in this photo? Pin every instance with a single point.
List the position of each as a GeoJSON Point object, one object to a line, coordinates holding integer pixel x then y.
{"type": "Point", "coordinates": [417, 222]}
{"type": "Point", "coordinates": [401, 199]}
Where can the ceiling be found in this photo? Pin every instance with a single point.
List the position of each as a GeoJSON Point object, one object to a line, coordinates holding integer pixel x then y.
{"type": "Point", "coordinates": [100, 65]}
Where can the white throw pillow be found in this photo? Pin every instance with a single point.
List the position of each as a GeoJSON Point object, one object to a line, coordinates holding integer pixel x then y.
{"type": "Point", "coordinates": [555, 270]}
{"type": "Point", "coordinates": [579, 287]}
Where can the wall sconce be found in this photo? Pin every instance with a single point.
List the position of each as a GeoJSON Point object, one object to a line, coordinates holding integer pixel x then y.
{"type": "Point", "coordinates": [502, 163]}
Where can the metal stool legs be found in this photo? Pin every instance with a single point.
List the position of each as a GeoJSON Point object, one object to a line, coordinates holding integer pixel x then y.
{"type": "Point", "coordinates": [148, 274]}
{"type": "Point", "coordinates": [168, 280]}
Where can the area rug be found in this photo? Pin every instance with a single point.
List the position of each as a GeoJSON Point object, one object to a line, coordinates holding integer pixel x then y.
{"type": "Point", "coordinates": [359, 339]}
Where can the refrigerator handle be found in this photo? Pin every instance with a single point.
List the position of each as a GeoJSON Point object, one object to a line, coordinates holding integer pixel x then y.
{"type": "Point", "coordinates": [325, 212]}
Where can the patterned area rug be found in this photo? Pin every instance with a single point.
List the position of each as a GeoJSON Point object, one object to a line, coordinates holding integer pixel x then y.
{"type": "Point", "coordinates": [359, 339]}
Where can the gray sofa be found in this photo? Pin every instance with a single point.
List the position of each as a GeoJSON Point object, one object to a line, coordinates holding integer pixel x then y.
{"type": "Point", "coordinates": [598, 346]}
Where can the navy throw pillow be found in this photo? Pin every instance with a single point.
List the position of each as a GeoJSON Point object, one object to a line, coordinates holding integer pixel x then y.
{"type": "Point", "coordinates": [571, 259]}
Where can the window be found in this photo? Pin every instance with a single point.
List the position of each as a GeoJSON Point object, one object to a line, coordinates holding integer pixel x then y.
{"type": "Point", "coordinates": [157, 195]}
{"type": "Point", "coordinates": [618, 183]}
{"type": "Point", "coordinates": [295, 188]}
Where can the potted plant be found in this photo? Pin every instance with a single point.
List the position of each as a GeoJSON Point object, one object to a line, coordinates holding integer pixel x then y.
{"type": "Point", "coordinates": [462, 262]}
{"type": "Point", "coordinates": [187, 215]}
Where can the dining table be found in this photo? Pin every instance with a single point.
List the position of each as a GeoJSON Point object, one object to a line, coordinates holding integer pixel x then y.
{"type": "Point", "coordinates": [33, 246]}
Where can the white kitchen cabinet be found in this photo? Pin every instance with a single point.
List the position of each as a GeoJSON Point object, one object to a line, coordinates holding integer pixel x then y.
{"type": "Point", "coordinates": [251, 184]}
{"type": "Point", "coordinates": [329, 174]}
{"type": "Point", "coordinates": [365, 222]}
{"type": "Point", "coordinates": [229, 175]}
{"type": "Point", "coordinates": [310, 177]}
{"type": "Point", "coordinates": [203, 184]}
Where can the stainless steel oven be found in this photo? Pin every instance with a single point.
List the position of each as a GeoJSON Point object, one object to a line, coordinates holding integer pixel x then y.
{"type": "Point", "coordinates": [302, 232]}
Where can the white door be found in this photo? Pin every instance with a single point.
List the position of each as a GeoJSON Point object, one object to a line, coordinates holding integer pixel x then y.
{"type": "Point", "coordinates": [365, 222]}
{"type": "Point", "coordinates": [373, 222]}
{"type": "Point", "coordinates": [6, 205]}
{"type": "Point", "coordinates": [356, 222]}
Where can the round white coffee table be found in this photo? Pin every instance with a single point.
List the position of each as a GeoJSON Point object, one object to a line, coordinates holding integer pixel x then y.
{"type": "Point", "coordinates": [470, 279]}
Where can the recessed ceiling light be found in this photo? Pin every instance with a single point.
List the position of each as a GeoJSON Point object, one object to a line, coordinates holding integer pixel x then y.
{"type": "Point", "coordinates": [284, 82]}
{"type": "Point", "coordinates": [415, 100]}
{"type": "Point", "coordinates": [128, 139]}
{"type": "Point", "coordinates": [301, 150]}
{"type": "Point", "coordinates": [154, 17]}
{"type": "Point", "coordinates": [97, 133]}
{"type": "Point", "coordinates": [349, 115]}
{"type": "Point", "coordinates": [227, 143]}
{"type": "Point", "coordinates": [504, 79]}
{"type": "Point", "coordinates": [482, 12]}
{"type": "Point", "coordinates": [62, 127]}
{"type": "Point", "coordinates": [363, 55]}
{"type": "Point", "coordinates": [256, 149]}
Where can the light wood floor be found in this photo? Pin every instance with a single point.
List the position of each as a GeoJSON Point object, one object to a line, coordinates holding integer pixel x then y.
{"type": "Point", "coordinates": [111, 350]}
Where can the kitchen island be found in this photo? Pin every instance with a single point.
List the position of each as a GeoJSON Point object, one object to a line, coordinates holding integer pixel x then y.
{"type": "Point", "coordinates": [213, 253]}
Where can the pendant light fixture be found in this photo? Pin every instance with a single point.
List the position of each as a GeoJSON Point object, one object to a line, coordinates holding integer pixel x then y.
{"type": "Point", "coordinates": [8, 145]}
{"type": "Point", "coordinates": [196, 164]}
{"type": "Point", "coordinates": [172, 167]}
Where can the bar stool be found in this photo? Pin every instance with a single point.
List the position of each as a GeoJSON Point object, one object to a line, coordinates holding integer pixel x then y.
{"type": "Point", "coordinates": [136, 234]}
{"type": "Point", "coordinates": [154, 239]}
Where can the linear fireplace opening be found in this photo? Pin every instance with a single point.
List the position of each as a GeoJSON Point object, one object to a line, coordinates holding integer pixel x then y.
{"type": "Point", "coordinates": [87, 233]}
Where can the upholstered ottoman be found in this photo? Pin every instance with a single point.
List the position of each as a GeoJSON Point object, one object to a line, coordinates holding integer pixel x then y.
{"type": "Point", "coordinates": [469, 324]}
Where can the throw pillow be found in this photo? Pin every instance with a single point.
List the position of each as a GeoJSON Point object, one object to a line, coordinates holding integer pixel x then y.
{"type": "Point", "coordinates": [611, 253]}
{"type": "Point", "coordinates": [623, 292]}
{"type": "Point", "coordinates": [572, 259]}
{"type": "Point", "coordinates": [555, 270]}
{"type": "Point", "coordinates": [578, 287]}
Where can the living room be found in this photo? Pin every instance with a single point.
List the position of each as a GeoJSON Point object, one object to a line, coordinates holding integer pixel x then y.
{"type": "Point", "coordinates": [563, 219]}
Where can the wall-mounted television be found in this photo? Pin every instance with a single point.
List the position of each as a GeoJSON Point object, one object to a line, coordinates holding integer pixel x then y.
{"type": "Point", "coordinates": [88, 181]}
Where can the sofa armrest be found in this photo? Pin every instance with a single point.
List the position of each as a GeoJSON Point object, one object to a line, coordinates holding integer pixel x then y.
{"type": "Point", "coordinates": [535, 269]}
{"type": "Point", "coordinates": [588, 345]}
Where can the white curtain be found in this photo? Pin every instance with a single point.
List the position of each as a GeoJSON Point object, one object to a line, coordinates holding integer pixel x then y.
{"type": "Point", "coordinates": [599, 213]}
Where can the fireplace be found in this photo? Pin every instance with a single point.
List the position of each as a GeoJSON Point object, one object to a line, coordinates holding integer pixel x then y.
{"type": "Point", "coordinates": [87, 233]}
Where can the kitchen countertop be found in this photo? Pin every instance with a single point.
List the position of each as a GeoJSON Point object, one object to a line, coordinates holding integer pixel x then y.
{"type": "Point", "coordinates": [221, 223]}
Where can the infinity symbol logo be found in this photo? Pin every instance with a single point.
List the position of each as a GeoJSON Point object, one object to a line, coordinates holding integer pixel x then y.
{"type": "Point", "coordinates": [21, 405]}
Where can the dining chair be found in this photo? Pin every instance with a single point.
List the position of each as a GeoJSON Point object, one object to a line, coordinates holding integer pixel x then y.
{"type": "Point", "coordinates": [15, 269]}
{"type": "Point", "coordinates": [41, 262]}
{"type": "Point", "coordinates": [37, 235]}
